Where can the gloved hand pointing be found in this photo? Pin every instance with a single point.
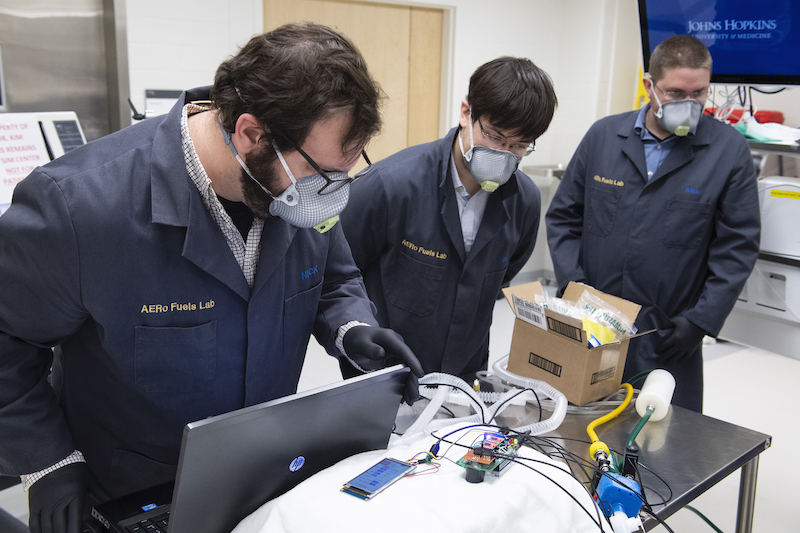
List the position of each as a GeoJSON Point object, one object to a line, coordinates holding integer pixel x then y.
{"type": "Point", "coordinates": [56, 500]}
{"type": "Point", "coordinates": [683, 341]}
{"type": "Point", "coordinates": [372, 348]}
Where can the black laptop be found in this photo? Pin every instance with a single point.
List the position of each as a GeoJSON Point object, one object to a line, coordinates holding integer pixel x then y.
{"type": "Point", "coordinates": [233, 463]}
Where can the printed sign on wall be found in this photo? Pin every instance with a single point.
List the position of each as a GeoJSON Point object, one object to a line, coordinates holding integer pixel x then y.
{"type": "Point", "coordinates": [22, 149]}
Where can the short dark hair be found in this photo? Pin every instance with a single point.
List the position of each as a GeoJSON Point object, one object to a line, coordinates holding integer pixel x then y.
{"type": "Point", "coordinates": [294, 76]}
{"type": "Point", "coordinates": [680, 51]}
{"type": "Point", "coordinates": [514, 94]}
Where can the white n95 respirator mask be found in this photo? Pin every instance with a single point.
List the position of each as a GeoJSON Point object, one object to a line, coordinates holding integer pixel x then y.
{"type": "Point", "coordinates": [490, 167]}
{"type": "Point", "coordinates": [302, 206]}
{"type": "Point", "coordinates": [678, 116]}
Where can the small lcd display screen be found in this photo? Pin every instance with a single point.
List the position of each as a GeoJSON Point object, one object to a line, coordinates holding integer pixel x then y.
{"type": "Point", "coordinates": [377, 478]}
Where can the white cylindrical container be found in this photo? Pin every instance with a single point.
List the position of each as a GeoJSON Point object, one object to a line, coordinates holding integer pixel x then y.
{"type": "Point", "coordinates": [657, 391]}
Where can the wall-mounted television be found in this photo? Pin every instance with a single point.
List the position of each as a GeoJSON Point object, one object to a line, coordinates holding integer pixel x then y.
{"type": "Point", "coordinates": [751, 41]}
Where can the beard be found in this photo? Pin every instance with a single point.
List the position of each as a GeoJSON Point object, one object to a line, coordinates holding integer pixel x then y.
{"type": "Point", "coordinates": [262, 163]}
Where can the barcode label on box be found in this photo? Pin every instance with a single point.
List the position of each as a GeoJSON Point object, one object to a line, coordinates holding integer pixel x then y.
{"type": "Point", "coordinates": [530, 312]}
{"type": "Point", "coordinates": [603, 375]}
{"type": "Point", "coordinates": [565, 329]}
{"type": "Point", "coordinates": [545, 364]}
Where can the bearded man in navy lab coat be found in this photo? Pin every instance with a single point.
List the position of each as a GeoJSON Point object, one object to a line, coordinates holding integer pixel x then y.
{"type": "Point", "coordinates": [179, 267]}
{"type": "Point", "coordinates": [660, 207]}
{"type": "Point", "coordinates": [437, 229]}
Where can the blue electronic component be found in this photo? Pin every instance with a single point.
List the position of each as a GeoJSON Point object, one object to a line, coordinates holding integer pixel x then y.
{"type": "Point", "coordinates": [616, 492]}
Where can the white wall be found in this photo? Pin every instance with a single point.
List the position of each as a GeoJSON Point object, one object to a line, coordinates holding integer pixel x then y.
{"type": "Point", "coordinates": [178, 44]}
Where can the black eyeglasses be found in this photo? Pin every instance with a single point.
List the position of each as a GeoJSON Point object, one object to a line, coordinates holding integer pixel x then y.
{"type": "Point", "coordinates": [500, 143]}
{"type": "Point", "coordinates": [339, 179]}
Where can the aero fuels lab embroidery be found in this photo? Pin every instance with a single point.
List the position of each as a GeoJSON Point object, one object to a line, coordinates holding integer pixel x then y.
{"type": "Point", "coordinates": [424, 251]}
{"type": "Point", "coordinates": [176, 306]}
{"type": "Point", "coordinates": [609, 181]}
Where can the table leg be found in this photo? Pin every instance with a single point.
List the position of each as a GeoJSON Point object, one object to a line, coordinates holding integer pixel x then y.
{"type": "Point", "coordinates": [747, 496]}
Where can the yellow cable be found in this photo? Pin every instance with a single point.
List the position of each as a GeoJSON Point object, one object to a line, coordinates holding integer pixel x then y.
{"type": "Point", "coordinates": [596, 444]}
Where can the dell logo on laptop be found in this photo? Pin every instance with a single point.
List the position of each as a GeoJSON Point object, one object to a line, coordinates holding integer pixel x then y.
{"type": "Point", "coordinates": [297, 464]}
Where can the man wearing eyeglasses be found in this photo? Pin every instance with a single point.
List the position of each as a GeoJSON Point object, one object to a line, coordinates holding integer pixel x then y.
{"type": "Point", "coordinates": [437, 229]}
{"type": "Point", "coordinates": [179, 267]}
{"type": "Point", "coordinates": [659, 206]}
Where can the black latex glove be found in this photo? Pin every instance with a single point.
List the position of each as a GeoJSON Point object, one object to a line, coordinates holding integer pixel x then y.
{"type": "Point", "coordinates": [561, 289]}
{"type": "Point", "coordinates": [56, 501]}
{"type": "Point", "coordinates": [683, 341]}
{"type": "Point", "coordinates": [373, 348]}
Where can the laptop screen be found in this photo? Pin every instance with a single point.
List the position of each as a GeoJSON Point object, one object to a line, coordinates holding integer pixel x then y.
{"type": "Point", "coordinates": [232, 463]}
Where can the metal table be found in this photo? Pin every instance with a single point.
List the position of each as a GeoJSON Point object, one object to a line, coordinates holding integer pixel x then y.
{"type": "Point", "coordinates": [689, 451]}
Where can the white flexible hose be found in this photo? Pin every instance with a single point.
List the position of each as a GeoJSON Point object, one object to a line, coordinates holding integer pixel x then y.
{"type": "Point", "coordinates": [459, 398]}
{"type": "Point", "coordinates": [560, 410]}
{"type": "Point", "coordinates": [597, 407]}
{"type": "Point", "coordinates": [425, 421]}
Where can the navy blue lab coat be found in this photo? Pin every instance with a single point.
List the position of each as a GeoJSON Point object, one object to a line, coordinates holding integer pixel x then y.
{"type": "Point", "coordinates": [404, 230]}
{"type": "Point", "coordinates": [110, 254]}
{"type": "Point", "coordinates": [682, 244]}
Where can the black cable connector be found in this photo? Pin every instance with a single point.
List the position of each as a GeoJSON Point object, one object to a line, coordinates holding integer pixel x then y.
{"type": "Point", "coordinates": [136, 114]}
{"type": "Point", "coordinates": [630, 461]}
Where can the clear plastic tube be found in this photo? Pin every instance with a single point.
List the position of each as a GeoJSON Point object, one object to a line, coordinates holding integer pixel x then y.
{"type": "Point", "coordinates": [426, 423]}
{"type": "Point", "coordinates": [607, 404]}
{"type": "Point", "coordinates": [559, 409]}
{"type": "Point", "coordinates": [425, 420]}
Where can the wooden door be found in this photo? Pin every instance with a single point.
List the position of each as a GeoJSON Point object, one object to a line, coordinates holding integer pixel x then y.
{"type": "Point", "coordinates": [403, 48]}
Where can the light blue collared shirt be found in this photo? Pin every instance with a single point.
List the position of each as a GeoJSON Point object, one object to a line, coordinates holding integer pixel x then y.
{"type": "Point", "coordinates": [655, 151]}
{"type": "Point", "coordinates": [470, 208]}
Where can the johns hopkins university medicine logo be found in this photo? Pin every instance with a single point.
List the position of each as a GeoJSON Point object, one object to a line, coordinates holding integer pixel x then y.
{"type": "Point", "coordinates": [696, 26]}
{"type": "Point", "coordinates": [731, 30]}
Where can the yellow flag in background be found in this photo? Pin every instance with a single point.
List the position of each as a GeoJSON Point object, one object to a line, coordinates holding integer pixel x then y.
{"type": "Point", "coordinates": [641, 95]}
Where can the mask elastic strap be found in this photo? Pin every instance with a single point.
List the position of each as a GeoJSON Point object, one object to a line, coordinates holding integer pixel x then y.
{"type": "Point", "coordinates": [289, 196]}
{"type": "Point", "coordinates": [660, 112]}
{"type": "Point", "coordinates": [229, 141]}
{"type": "Point", "coordinates": [283, 162]}
{"type": "Point", "coordinates": [471, 141]}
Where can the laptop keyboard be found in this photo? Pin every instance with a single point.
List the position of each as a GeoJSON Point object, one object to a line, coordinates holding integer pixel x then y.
{"type": "Point", "coordinates": [155, 524]}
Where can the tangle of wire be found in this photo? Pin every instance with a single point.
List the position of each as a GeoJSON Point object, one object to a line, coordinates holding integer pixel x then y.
{"type": "Point", "coordinates": [576, 464]}
{"type": "Point", "coordinates": [520, 460]}
{"type": "Point", "coordinates": [744, 97]}
{"type": "Point", "coordinates": [478, 404]}
{"type": "Point", "coordinates": [572, 460]}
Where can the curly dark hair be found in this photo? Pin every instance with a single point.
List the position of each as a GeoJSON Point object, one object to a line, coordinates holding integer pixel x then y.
{"type": "Point", "coordinates": [294, 76]}
{"type": "Point", "coordinates": [514, 94]}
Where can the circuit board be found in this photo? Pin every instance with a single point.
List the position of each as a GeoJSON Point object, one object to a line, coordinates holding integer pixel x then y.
{"type": "Point", "coordinates": [492, 454]}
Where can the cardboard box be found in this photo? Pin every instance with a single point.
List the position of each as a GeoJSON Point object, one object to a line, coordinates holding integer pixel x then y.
{"type": "Point", "coordinates": [556, 350]}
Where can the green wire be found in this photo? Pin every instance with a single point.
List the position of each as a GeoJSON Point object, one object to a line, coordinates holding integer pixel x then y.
{"type": "Point", "coordinates": [639, 376]}
{"type": "Point", "coordinates": [639, 426]}
{"type": "Point", "coordinates": [705, 519]}
{"type": "Point", "coordinates": [614, 466]}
